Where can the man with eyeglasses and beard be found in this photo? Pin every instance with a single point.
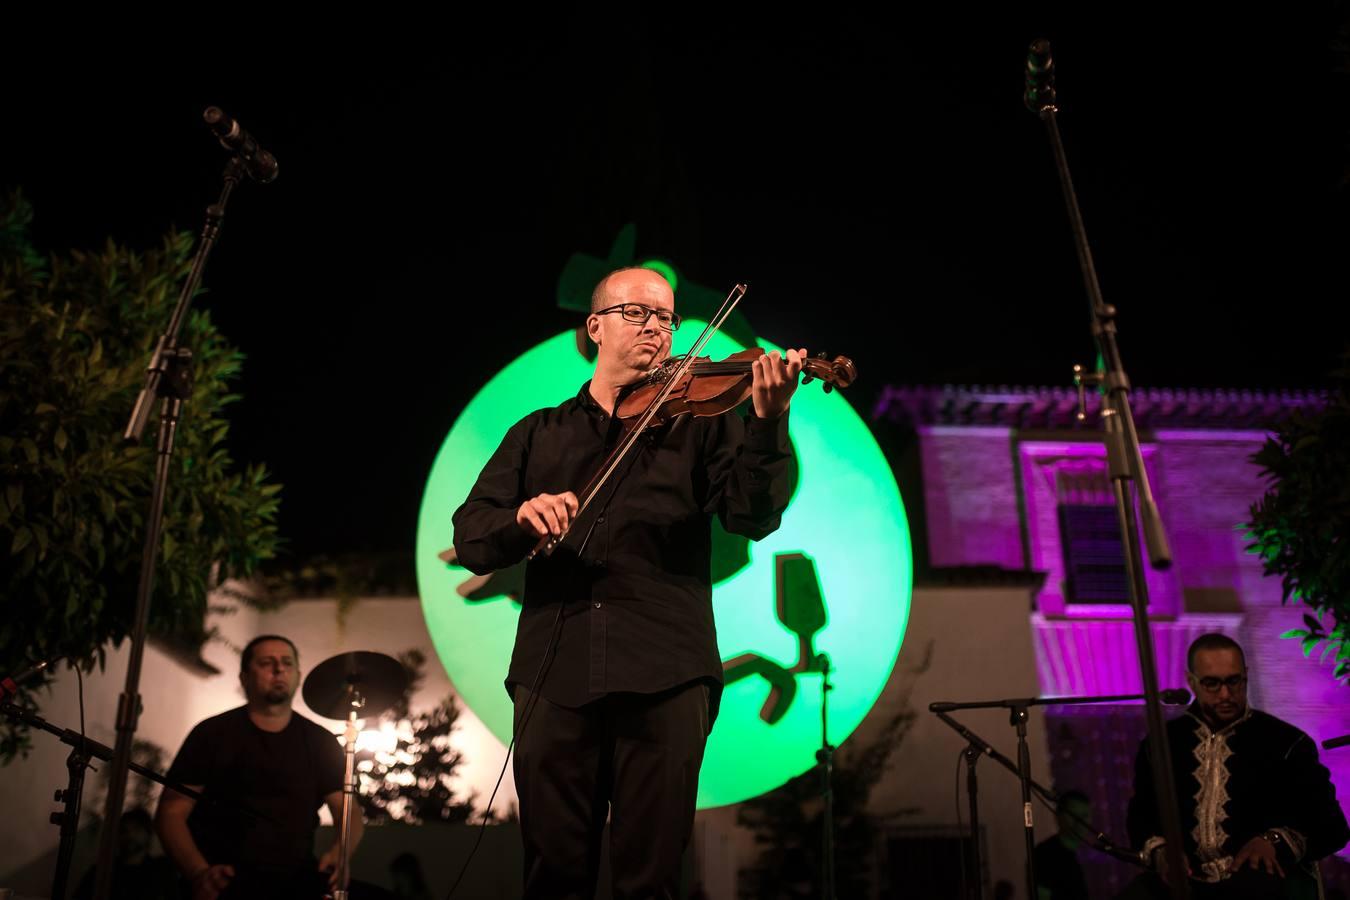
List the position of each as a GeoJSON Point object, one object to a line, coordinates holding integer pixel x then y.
{"type": "Point", "coordinates": [616, 674]}
{"type": "Point", "coordinates": [1257, 808]}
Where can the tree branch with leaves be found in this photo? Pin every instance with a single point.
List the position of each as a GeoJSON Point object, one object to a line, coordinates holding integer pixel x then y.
{"type": "Point", "coordinates": [76, 330]}
{"type": "Point", "coordinates": [1301, 526]}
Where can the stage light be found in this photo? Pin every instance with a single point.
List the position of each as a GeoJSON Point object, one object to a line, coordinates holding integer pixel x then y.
{"type": "Point", "coordinates": [846, 518]}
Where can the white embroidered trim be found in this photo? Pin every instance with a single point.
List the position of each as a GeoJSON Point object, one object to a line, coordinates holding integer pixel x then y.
{"type": "Point", "coordinates": [1211, 753]}
{"type": "Point", "coordinates": [1216, 870]}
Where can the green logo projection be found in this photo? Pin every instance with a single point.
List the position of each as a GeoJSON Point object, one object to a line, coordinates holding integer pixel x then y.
{"type": "Point", "coordinates": [834, 579]}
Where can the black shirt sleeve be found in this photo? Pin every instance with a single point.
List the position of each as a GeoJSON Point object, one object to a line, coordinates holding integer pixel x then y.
{"type": "Point", "coordinates": [332, 763]}
{"type": "Point", "coordinates": [747, 466]}
{"type": "Point", "coordinates": [487, 537]}
{"type": "Point", "coordinates": [1313, 812]}
{"type": "Point", "coordinates": [196, 758]}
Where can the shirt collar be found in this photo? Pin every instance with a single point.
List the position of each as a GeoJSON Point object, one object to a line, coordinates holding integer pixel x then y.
{"type": "Point", "coordinates": [1195, 713]}
{"type": "Point", "coordinates": [588, 402]}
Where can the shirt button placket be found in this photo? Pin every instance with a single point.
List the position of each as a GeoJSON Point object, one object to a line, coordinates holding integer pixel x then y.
{"type": "Point", "coordinates": [598, 683]}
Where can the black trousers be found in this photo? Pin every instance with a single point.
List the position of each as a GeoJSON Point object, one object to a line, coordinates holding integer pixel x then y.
{"type": "Point", "coordinates": [633, 757]}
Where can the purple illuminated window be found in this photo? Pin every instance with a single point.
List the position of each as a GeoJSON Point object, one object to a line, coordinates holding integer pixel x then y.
{"type": "Point", "coordinates": [1094, 556]}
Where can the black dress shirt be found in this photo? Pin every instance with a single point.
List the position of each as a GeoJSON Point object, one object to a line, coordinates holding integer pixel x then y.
{"type": "Point", "coordinates": [633, 575]}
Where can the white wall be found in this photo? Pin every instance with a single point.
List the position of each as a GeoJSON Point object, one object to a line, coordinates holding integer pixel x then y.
{"type": "Point", "coordinates": [982, 650]}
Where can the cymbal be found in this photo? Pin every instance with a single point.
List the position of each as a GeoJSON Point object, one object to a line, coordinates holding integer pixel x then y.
{"type": "Point", "coordinates": [380, 681]}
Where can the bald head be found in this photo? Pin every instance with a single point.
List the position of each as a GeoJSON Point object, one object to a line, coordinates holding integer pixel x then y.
{"type": "Point", "coordinates": [632, 285]}
{"type": "Point", "coordinates": [624, 325]}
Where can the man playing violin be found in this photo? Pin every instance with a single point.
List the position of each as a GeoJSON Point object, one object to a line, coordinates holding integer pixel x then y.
{"type": "Point", "coordinates": [616, 675]}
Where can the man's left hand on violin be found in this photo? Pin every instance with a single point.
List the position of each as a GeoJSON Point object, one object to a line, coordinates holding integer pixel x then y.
{"type": "Point", "coordinates": [775, 380]}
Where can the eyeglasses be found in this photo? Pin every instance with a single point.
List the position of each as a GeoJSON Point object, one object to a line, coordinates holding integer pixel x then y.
{"type": "Point", "coordinates": [1212, 684]}
{"type": "Point", "coordinates": [639, 314]}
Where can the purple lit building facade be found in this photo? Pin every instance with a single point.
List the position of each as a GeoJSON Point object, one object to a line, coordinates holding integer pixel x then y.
{"type": "Point", "coordinates": [1008, 481]}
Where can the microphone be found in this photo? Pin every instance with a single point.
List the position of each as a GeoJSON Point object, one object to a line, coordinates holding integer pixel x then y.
{"type": "Point", "coordinates": [1175, 697]}
{"type": "Point", "coordinates": [11, 685]}
{"type": "Point", "coordinates": [1333, 743]}
{"type": "Point", "coordinates": [260, 165]}
{"type": "Point", "coordinates": [1040, 91]}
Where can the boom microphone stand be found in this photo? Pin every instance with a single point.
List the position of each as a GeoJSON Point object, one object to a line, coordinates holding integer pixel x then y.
{"type": "Point", "coordinates": [169, 379]}
{"type": "Point", "coordinates": [1125, 464]}
{"type": "Point", "coordinates": [977, 747]}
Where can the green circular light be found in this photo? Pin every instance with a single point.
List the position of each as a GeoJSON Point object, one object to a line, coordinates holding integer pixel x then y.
{"type": "Point", "coordinates": [846, 516]}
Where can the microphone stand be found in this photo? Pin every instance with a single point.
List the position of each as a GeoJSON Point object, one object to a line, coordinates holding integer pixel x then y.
{"type": "Point", "coordinates": [825, 756]}
{"type": "Point", "coordinates": [975, 870]}
{"type": "Point", "coordinates": [977, 746]}
{"type": "Point", "coordinates": [169, 379]}
{"type": "Point", "coordinates": [1125, 463]}
{"type": "Point", "coordinates": [357, 703]}
{"type": "Point", "coordinates": [83, 749]}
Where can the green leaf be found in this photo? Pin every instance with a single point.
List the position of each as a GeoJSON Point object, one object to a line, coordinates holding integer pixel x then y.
{"type": "Point", "coordinates": [1310, 643]}
{"type": "Point", "coordinates": [60, 439]}
{"type": "Point", "coordinates": [22, 538]}
{"type": "Point", "coordinates": [1296, 633]}
{"type": "Point", "coordinates": [43, 409]}
{"type": "Point", "coordinates": [107, 506]}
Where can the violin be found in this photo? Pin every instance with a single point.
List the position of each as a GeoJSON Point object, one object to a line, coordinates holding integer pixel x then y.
{"type": "Point", "coordinates": [709, 388]}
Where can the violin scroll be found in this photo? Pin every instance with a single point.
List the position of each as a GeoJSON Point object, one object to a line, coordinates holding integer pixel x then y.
{"type": "Point", "coordinates": [832, 373]}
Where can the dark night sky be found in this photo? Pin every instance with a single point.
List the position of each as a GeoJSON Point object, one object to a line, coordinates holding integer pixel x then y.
{"type": "Point", "coordinates": [877, 184]}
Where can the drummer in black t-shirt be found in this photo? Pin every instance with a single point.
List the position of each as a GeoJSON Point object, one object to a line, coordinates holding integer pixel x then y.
{"type": "Point", "coordinates": [263, 757]}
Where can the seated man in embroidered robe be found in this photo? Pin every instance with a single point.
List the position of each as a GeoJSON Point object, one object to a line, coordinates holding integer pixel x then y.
{"type": "Point", "coordinates": [1257, 808]}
